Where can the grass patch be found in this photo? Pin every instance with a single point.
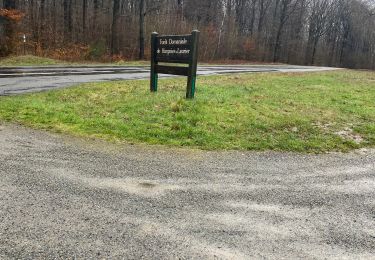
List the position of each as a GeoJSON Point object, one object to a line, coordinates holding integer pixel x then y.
{"type": "Point", "coordinates": [29, 60]}
{"type": "Point", "coordinates": [287, 112]}
{"type": "Point", "coordinates": [130, 63]}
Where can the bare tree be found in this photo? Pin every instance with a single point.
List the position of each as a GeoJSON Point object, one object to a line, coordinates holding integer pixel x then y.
{"type": "Point", "coordinates": [320, 9]}
{"type": "Point", "coordinates": [115, 15]}
{"type": "Point", "coordinates": [287, 7]}
{"type": "Point", "coordinates": [142, 14]}
{"type": "Point", "coordinates": [330, 32]}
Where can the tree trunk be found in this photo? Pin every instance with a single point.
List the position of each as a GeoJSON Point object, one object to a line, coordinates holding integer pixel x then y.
{"type": "Point", "coordinates": [84, 15]}
{"type": "Point", "coordinates": [282, 21]}
{"type": "Point", "coordinates": [141, 29]}
{"type": "Point", "coordinates": [252, 20]}
{"type": "Point", "coordinates": [9, 33]}
{"type": "Point", "coordinates": [314, 50]}
{"type": "Point", "coordinates": [9, 4]}
{"type": "Point", "coordinates": [277, 44]}
{"type": "Point", "coordinates": [262, 11]}
{"type": "Point", "coordinates": [41, 22]}
{"type": "Point", "coordinates": [116, 7]}
{"type": "Point", "coordinates": [68, 24]}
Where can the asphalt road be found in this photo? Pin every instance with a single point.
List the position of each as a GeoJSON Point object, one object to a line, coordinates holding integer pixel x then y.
{"type": "Point", "coordinates": [66, 198]}
{"type": "Point", "coordinates": [33, 79]}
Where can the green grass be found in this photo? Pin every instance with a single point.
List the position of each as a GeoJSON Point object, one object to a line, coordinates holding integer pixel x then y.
{"type": "Point", "coordinates": [130, 63]}
{"type": "Point", "coordinates": [29, 60]}
{"type": "Point", "coordinates": [286, 112]}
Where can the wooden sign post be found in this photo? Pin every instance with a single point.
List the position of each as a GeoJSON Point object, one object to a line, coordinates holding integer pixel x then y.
{"type": "Point", "coordinates": [181, 49]}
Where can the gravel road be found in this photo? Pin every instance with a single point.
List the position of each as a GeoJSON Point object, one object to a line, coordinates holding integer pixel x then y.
{"type": "Point", "coordinates": [19, 80]}
{"type": "Point", "coordinates": [68, 198]}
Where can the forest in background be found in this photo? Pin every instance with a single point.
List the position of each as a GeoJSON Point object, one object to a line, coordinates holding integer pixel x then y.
{"type": "Point", "coordinates": [312, 32]}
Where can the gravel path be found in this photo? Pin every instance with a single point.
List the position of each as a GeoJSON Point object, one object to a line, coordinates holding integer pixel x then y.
{"type": "Point", "coordinates": [64, 198]}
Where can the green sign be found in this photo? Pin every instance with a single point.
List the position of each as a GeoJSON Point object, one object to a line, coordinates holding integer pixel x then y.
{"type": "Point", "coordinates": [181, 49]}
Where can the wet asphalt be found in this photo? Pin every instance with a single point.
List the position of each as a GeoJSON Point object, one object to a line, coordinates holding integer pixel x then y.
{"type": "Point", "coordinates": [20, 80]}
{"type": "Point", "coordinates": [68, 198]}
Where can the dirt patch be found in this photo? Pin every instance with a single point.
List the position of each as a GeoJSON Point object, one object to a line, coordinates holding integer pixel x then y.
{"type": "Point", "coordinates": [348, 134]}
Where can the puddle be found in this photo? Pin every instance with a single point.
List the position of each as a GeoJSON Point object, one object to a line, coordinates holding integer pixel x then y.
{"type": "Point", "coordinates": [127, 185]}
{"type": "Point", "coordinates": [147, 185]}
